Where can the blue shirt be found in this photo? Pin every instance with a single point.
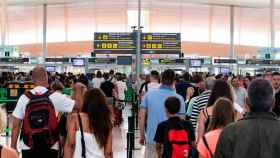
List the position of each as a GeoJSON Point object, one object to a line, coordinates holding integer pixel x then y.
{"type": "Point", "coordinates": [153, 103]}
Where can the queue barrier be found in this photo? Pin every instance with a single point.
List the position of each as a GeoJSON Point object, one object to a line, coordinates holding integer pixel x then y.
{"type": "Point", "coordinates": [131, 97]}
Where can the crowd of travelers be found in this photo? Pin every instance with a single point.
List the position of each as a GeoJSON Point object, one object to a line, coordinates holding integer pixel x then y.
{"type": "Point", "coordinates": [180, 116]}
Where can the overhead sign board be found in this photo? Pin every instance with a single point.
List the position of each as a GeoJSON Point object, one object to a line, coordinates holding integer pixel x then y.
{"type": "Point", "coordinates": [125, 43]}
{"type": "Point", "coordinates": [113, 36]}
{"type": "Point", "coordinates": [161, 36]}
{"type": "Point", "coordinates": [161, 45]}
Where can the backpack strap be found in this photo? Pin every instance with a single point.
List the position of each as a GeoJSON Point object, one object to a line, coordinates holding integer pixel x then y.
{"type": "Point", "coordinates": [205, 113]}
{"type": "Point", "coordinates": [1, 147]}
{"type": "Point", "coordinates": [207, 145]}
{"type": "Point", "coordinates": [82, 135]}
{"type": "Point", "coordinates": [146, 87]}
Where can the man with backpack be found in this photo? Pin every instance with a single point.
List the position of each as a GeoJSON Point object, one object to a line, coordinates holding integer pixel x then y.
{"type": "Point", "coordinates": [34, 118]}
{"type": "Point", "coordinates": [174, 137]}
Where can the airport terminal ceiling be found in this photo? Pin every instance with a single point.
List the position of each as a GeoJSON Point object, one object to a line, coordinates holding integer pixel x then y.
{"type": "Point", "coordinates": [247, 3]}
{"type": "Point", "coordinates": [240, 3]}
{"type": "Point", "coordinates": [199, 21]}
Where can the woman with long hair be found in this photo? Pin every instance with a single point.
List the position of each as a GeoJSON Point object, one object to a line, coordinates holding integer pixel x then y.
{"type": "Point", "coordinates": [223, 114]}
{"type": "Point", "coordinates": [220, 89]}
{"type": "Point", "coordinates": [90, 132]}
{"type": "Point", "coordinates": [79, 90]}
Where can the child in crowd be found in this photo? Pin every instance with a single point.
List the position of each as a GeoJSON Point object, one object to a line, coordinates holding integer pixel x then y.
{"type": "Point", "coordinates": [174, 137]}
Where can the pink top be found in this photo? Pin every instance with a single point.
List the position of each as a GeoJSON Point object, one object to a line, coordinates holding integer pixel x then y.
{"type": "Point", "coordinates": [212, 138]}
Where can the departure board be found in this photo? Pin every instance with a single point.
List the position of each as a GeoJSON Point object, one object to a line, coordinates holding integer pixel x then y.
{"type": "Point", "coordinates": [102, 60]}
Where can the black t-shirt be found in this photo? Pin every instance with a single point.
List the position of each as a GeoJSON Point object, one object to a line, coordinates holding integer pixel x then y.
{"type": "Point", "coordinates": [181, 88]}
{"type": "Point", "coordinates": [163, 129]}
{"type": "Point", "coordinates": [107, 87]}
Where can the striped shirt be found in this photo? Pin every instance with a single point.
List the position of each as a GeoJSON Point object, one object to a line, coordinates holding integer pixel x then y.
{"type": "Point", "coordinates": [199, 104]}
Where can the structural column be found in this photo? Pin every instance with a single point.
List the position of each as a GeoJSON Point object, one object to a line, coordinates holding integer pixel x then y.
{"type": "Point", "coordinates": [272, 24]}
{"type": "Point", "coordinates": [3, 21]}
{"type": "Point", "coordinates": [232, 50]}
{"type": "Point", "coordinates": [45, 48]}
{"type": "Point", "coordinates": [138, 46]}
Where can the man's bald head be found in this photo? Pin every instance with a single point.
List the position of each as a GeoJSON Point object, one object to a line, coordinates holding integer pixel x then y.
{"type": "Point", "coordinates": [40, 76]}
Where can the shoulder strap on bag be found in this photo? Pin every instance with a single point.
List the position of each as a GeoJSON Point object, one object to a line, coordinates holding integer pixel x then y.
{"type": "Point", "coordinates": [207, 145]}
{"type": "Point", "coordinates": [1, 147]}
{"type": "Point", "coordinates": [83, 138]}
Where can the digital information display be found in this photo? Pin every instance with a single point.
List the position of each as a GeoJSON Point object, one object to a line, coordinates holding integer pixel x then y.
{"type": "Point", "coordinates": [124, 60]}
{"type": "Point", "coordinates": [260, 62]}
{"type": "Point", "coordinates": [207, 61]}
{"type": "Point", "coordinates": [195, 62]}
{"type": "Point", "coordinates": [14, 60]}
{"type": "Point", "coordinates": [171, 61]}
{"type": "Point", "coordinates": [102, 60]}
{"type": "Point", "coordinates": [78, 62]}
{"type": "Point", "coordinates": [224, 70]}
{"type": "Point", "coordinates": [50, 68]}
{"type": "Point", "coordinates": [57, 60]}
{"type": "Point", "coordinates": [225, 61]}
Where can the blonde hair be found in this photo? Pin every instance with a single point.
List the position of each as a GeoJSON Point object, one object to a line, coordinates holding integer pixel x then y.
{"type": "Point", "coordinates": [3, 118]}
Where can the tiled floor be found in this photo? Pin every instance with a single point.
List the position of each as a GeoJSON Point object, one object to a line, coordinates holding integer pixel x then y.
{"type": "Point", "coordinates": [119, 140]}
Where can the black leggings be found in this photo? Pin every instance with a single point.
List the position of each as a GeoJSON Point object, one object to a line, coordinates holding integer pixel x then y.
{"type": "Point", "coordinates": [49, 153]}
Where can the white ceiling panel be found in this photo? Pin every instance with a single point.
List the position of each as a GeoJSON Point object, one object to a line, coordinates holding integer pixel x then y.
{"type": "Point", "coordinates": [240, 3]}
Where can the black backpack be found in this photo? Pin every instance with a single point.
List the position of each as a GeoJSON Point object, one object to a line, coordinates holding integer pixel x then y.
{"type": "Point", "coordinates": [39, 130]}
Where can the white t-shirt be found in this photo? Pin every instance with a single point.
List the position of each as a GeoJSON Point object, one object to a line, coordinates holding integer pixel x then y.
{"type": "Point", "coordinates": [152, 86]}
{"type": "Point", "coordinates": [61, 104]}
{"type": "Point", "coordinates": [121, 89]}
{"type": "Point", "coordinates": [96, 82]}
